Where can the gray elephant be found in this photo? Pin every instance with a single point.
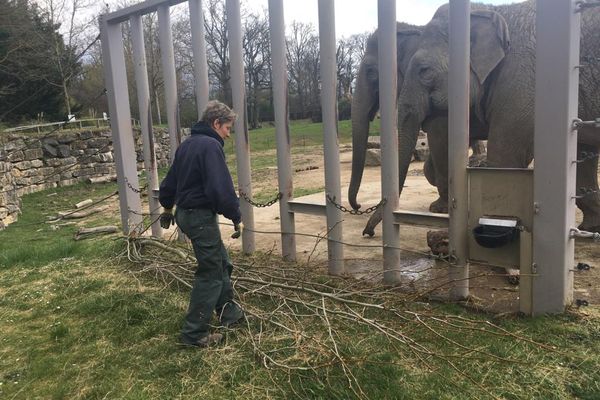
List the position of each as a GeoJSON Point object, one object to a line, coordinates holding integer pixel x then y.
{"type": "Point", "coordinates": [502, 97]}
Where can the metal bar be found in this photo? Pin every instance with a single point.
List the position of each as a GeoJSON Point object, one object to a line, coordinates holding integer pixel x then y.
{"type": "Point", "coordinates": [168, 65]}
{"type": "Point", "coordinates": [142, 8]}
{"type": "Point", "coordinates": [327, 48]}
{"type": "Point", "coordinates": [386, 10]}
{"type": "Point", "coordinates": [143, 95]}
{"type": "Point", "coordinates": [526, 273]}
{"type": "Point", "coordinates": [282, 128]}
{"type": "Point", "coordinates": [115, 76]}
{"type": "Point", "coordinates": [556, 92]}
{"type": "Point", "coordinates": [242, 141]}
{"type": "Point", "coordinates": [306, 208]}
{"type": "Point", "coordinates": [199, 51]}
{"type": "Point", "coordinates": [458, 144]}
{"type": "Point", "coordinates": [432, 220]}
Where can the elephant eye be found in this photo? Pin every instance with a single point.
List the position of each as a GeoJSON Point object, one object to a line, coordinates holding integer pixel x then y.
{"type": "Point", "coordinates": [426, 74]}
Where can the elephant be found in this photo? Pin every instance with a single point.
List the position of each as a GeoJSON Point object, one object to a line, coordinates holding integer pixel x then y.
{"type": "Point", "coordinates": [502, 97]}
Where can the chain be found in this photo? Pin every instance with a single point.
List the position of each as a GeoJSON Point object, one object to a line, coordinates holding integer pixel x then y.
{"type": "Point", "coordinates": [584, 192]}
{"type": "Point", "coordinates": [578, 123]}
{"type": "Point", "coordinates": [130, 186]}
{"type": "Point", "coordinates": [355, 212]}
{"type": "Point", "coordinates": [586, 4]}
{"type": "Point", "coordinates": [585, 156]}
{"type": "Point", "coordinates": [261, 205]}
{"type": "Point", "coordinates": [576, 233]}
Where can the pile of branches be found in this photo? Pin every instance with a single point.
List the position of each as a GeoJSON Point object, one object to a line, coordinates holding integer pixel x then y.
{"type": "Point", "coordinates": [303, 321]}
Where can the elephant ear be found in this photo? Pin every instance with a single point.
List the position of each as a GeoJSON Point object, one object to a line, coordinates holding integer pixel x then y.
{"type": "Point", "coordinates": [490, 42]}
{"type": "Point", "coordinates": [406, 44]}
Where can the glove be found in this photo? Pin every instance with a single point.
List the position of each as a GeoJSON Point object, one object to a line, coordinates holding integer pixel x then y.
{"type": "Point", "coordinates": [167, 219]}
{"type": "Point", "coordinates": [238, 230]}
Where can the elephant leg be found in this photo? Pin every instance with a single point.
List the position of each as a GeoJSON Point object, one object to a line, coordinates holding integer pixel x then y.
{"type": "Point", "coordinates": [429, 170]}
{"type": "Point", "coordinates": [437, 136]}
{"type": "Point", "coordinates": [587, 179]}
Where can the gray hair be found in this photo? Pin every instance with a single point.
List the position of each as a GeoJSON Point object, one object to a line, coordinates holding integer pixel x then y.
{"type": "Point", "coordinates": [215, 110]}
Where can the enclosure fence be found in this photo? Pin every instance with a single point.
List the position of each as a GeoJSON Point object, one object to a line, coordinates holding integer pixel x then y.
{"type": "Point", "coordinates": [547, 252]}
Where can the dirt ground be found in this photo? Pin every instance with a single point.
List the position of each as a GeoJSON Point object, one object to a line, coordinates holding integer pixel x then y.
{"type": "Point", "coordinates": [489, 287]}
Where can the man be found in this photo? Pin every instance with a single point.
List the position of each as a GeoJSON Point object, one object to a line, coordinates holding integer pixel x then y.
{"type": "Point", "coordinates": [200, 184]}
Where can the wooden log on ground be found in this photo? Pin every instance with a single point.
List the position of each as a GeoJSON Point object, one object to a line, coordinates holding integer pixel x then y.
{"type": "Point", "coordinates": [84, 233]}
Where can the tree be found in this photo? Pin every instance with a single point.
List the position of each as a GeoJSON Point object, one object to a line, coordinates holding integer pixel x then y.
{"type": "Point", "coordinates": [303, 68]}
{"type": "Point", "coordinates": [257, 55]}
{"type": "Point", "coordinates": [26, 76]}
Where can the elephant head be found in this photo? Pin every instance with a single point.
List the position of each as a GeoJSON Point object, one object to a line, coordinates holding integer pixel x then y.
{"type": "Point", "coordinates": [365, 101]}
{"type": "Point", "coordinates": [424, 95]}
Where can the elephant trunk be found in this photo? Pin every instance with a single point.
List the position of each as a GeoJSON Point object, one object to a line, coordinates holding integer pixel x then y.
{"type": "Point", "coordinates": [410, 124]}
{"type": "Point", "coordinates": [365, 103]}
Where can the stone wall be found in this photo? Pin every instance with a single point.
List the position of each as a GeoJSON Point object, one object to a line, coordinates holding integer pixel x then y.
{"type": "Point", "coordinates": [29, 164]}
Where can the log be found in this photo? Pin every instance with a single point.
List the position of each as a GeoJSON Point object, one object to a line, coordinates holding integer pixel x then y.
{"type": "Point", "coordinates": [84, 233]}
{"type": "Point", "coordinates": [79, 214]}
{"type": "Point", "coordinates": [102, 179]}
{"type": "Point", "coordinates": [84, 203]}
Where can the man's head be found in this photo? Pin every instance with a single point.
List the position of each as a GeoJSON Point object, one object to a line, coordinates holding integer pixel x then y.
{"type": "Point", "coordinates": [219, 117]}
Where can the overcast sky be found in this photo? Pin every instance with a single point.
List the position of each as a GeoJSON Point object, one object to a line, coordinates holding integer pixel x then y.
{"type": "Point", "coordinates": [357, 16]}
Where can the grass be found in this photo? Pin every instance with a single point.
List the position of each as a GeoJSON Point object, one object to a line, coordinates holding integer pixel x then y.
{"type": "Point", "coordinates": [76, 323]}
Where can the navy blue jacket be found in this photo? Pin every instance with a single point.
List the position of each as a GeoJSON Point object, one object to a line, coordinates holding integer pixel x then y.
{"type": "Point", "coordinates": [199, 177]}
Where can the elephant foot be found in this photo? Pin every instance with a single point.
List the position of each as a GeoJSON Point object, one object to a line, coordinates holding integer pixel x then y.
{"type": "Point", "coordinates": [439, 206]}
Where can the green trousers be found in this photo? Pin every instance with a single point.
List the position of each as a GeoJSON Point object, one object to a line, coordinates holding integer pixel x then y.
{"type": "Point", "coordinates": [212, 290]}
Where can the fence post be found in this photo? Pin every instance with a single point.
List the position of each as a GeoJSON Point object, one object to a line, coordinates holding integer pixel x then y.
{"type": "Point", "coordinates": [282, 128]}
{"type": "Point", "coordinates": [199, 51]}
{"type": "Point", "coordinates": [556, 96]}
{"type": "Point", "coordinates": [388, 82]}
{"type": "Point", "coordinates": [113, 59]}
{"type": "Point", "coordinates": [242, 140]}
{"type": "Point", "coordinates": [458, 144]}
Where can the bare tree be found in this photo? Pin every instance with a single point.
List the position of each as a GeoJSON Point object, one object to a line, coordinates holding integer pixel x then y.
{"type": "Point", "coordinates": [257, 62]}
{"type": "Point", "coordinates": [76, 39]}
{"type": "Point", "coordinates": [302, 56]}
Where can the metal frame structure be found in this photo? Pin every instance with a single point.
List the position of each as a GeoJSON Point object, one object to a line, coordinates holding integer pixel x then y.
{"type": "Point", "coordinates": [556, 107]}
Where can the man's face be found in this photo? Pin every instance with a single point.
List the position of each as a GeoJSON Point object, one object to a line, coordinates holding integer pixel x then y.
{"type": "Point", "coordinates": [223, 128]}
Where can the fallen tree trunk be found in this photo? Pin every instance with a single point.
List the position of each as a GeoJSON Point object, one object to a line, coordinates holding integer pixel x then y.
{"type": "Point", "coordinates": [84, 233]}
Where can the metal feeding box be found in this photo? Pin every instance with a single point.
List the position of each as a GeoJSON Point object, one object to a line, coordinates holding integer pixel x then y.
{"type": "Point", "coordinates": [500, 210]}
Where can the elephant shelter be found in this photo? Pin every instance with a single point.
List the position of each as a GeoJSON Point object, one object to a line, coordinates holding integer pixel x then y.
{"type": "Point", "coordinates": [545, 248]}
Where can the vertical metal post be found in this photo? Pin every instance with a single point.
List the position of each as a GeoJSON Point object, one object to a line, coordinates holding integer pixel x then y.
{"type": "Point", "coordinates": [242, 141]}
{"type": "Point", "coordinates": [199, 52]}
{"type": "Point", "coordinates": [115, 76]}
{"type": "Point", "coordinates": [331, 150]}
{"type": "Point", "coordinates": [458, 143]}
{"type": "Point", "coordinates": [388, 79]}
{"type": "Point", "coordinates": [168, 65]}
{"type": "Point", "coordinates": [143, 94]}
{"type": "Point", "coordinates": [282, 129]}
{"type": "Point", "coordinates": [556, 95]}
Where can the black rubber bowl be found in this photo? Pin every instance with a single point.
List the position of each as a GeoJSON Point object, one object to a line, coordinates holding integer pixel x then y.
{"type": "Point", "coordinates": [494, 236]}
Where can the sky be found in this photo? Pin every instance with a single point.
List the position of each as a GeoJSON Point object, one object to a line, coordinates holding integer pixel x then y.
{"type": "Point", "coordinates": [357, 16]}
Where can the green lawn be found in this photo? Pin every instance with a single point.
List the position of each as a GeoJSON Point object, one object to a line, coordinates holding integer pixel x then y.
{"type": "Point", "coordinates": [90, 320]}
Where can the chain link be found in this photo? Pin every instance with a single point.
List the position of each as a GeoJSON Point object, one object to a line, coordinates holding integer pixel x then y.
{"type": "Point", "coordinates": [134, 190]}
{"type": "Point", "coordinates": [578, 123]}
{"type": "Point", "coordinates": [261, 205]}
{"type": "Point", "coordinates": [585, 156]}
{"type": "Point", "coordinates": [355, 212]}
{"type": "Point", "coordinates": [576, 233]}
{"type": "Point", "coordinates": [584, 192]}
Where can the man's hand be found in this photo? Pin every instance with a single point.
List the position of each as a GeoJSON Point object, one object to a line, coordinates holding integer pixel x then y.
{"type": "Point", "coordinates": [167, 219]}
{"type": "Point", "coordinates": [238, 230]}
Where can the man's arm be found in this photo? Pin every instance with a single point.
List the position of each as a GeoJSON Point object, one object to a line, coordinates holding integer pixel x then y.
{"type": "Point", "coordinates": [219, 185]}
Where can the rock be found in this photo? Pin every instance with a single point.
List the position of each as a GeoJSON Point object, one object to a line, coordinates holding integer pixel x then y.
{"type": "Point", "coordinates": [86, 135]}
{"type": "Point", "coordinates": [421, 149]}
{"type": "Point", "coordinates": [50, 150]}
{"type": "Point", "coordinates": [373, 158]}
{"type": "Point", "coordinates": [64, 151]}
{"type": "Point", "coordinates": [51, 142]}
{"type": "Point", "coordinates": [16, 156]}
{"type": "Point", "coordinates": [33, 154]}
{"type": "Point", "coordinates": [438, 242]}
{"type": "Point", "coordinates": [374, 142]}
